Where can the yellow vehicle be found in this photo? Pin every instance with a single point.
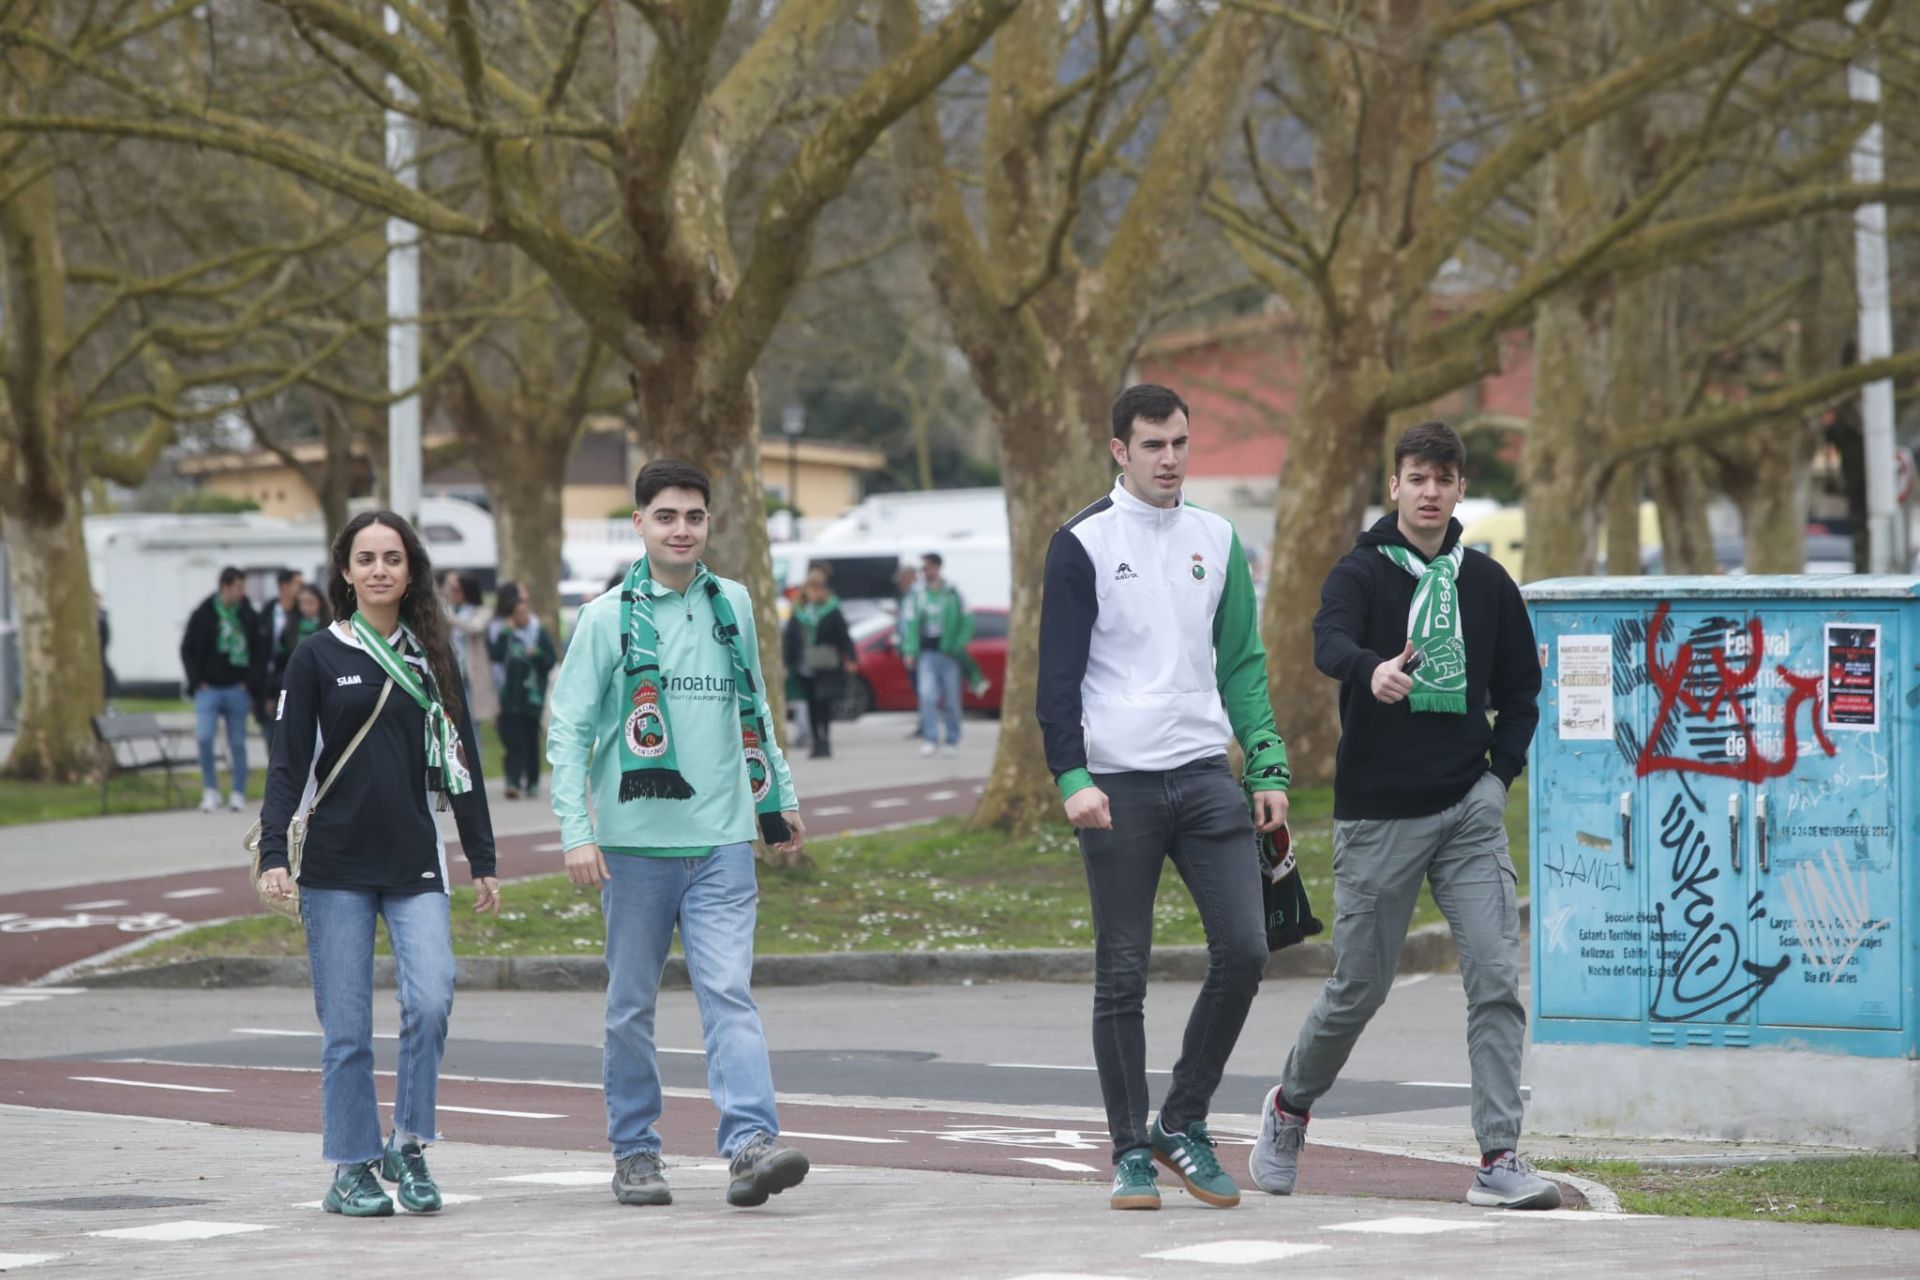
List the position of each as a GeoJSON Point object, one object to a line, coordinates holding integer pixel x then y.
{"type": "Point", "coordinates": [1503, 535]}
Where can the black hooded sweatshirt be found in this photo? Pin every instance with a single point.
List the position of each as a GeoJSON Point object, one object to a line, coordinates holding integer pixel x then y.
{"type": "Point", "coordinates": [1392, 762]}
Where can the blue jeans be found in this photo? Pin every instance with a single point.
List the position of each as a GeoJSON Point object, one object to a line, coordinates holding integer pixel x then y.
{"type": "Point", "coordinates": [714, 901]}
{"type": "Point", "coordinates": [340, 950]}
{"type": "Point", "coordinates": [936, 678]}
{"type": "Point", "coordinates": [210, 706]}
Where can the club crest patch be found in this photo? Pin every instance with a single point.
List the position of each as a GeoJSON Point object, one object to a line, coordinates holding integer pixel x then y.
{"type": "Point", "coordinates": [1198, 568]}
{"type": "Point", "coordinates": [759, 774]}
{"type": "Point", "coordinates": [646, 727]}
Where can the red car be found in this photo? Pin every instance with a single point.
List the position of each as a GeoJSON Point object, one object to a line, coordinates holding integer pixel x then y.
{"type": "Point", "coordinates": [885, 684]}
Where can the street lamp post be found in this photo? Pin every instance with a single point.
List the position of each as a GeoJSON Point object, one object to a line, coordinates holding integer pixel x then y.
{"type": "Point", "coordinates": [793, 422]}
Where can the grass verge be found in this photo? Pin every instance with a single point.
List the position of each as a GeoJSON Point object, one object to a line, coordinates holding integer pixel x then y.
{"type": "Point", "coordinates": [935, 887]}
{"type": "Point", "coordinates": [1859, 1191]}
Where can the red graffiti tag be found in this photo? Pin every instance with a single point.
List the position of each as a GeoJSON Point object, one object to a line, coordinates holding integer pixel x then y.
{"type": "Point", "coordinates": [1727, 683]}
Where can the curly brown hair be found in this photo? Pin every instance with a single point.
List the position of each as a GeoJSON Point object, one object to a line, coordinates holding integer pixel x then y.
{"type": "Point", "coordinates": [419, 604]}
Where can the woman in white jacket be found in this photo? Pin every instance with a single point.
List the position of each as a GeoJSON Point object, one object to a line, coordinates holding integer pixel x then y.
{"type": "Point", "coordinates": [467, 625]}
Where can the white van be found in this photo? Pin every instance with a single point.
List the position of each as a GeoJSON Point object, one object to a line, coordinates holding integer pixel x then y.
{"type": "Point", "coordinates": [982, 568]}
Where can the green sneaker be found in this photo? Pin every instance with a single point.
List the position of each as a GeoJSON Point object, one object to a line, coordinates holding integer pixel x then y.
{"type": "Point", "coordinates": [357, 1194]}
{"type": "Point", "coordinates": [406, 1166]}
{"type": "Point", "coordinates": [1189, 1156]}
{"type": "Point", "coordinates": [1133, 1183]}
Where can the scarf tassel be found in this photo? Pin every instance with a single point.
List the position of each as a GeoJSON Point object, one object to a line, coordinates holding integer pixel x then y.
{"type": "Point", "coordinates": [654, 784]}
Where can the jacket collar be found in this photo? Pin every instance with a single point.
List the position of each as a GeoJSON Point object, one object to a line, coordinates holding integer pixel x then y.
{"type": "Point", "coordinates": [1138, 508]}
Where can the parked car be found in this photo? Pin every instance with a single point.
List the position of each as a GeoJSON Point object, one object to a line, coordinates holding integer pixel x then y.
{"type": "Point", "coordinates": [885, 684]}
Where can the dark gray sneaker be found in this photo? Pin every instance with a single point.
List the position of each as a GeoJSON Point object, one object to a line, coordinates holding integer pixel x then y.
{"type": "Point", "coordinates": [1511, 1183]}
{"type": "Point", "coordinates": [764, 1168]}
{"type": "Point", "coordinates": [1275, 1161]}
{"type": "Point", "coordinates": [641, 1179]}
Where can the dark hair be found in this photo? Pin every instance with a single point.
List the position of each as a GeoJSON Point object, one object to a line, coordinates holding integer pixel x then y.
{"type": "Point", "coordinates": [1434, 443]}
{"type": "Point", "coordinates": [287, 575]}
{"type": "Point", "coordinates": [231, 574]}
{"type": "Point", "coordinates": [505, 598]}
{"type": "Point", "coordinates": [469, 587]}
{"type": "Point", "coordinates": [669, 473]}
{"type": "Point", "coordinates": [934, 556]}
{"type": "Point", "coordinates": [1144, 401]}
{"type": "Point", "coordinates": [419, 604]}
{"type": "Point", "coordinates": [325, 615]}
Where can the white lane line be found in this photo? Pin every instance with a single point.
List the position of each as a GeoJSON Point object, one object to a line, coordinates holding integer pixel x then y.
{"type": "Point", "coordinates": [552, 846]}
{"type": "Point", "coordinates": [446, 1197]}
{"type": "Point", "coordinates": [1055, 1066]}
{"type": "Point", "coordinates": [1064, 1166]}
{"type": "Point", "coordinates": [42, 991]}
{"type": "Point", "coordinates": [314, 1035]}
{"type": "Point", "coordinates": [1447, 1084]}
{"type": "Point", "coordinates": [193, 893]}
{"type": "Point", "coordinates": [25, 997]}
{"type": "Point", "coordinates": [979, 789]}
{"type": "Point", "coordinates": [1065, 1275]}
{"type": "Point", "coordinates": [841, 1137]}
{"type": "Point", "coordinates": [1238, 1253]}
{"type": "Point", "coordinates": [889, 802]}
{"type": "Point", "coordinates": [1572, 1215]}
{"type": "Point", "coordinates": [484, 1111]}
{"type": "Point", "coordinates": [830, 810]}
{"type": "Point", "coordinates": [941, 795]}
{"type": "Point", "coordinates": [12, 1261]}
{"type": "Point", "coordinates": [561, 1178]}
{"type": "Point", "coordinates": [1411, 980]}
{"type": "Point", "coordinates": [1405, 1226]}
{"type": "Point", "coordinates": [698, 1053]}
{"type": "Point", "coordinates": [149, 1084]}
{"type": "Point", "coordinates": [190, 1229]}
{"type": "Point", "coordinates": [101, 905]}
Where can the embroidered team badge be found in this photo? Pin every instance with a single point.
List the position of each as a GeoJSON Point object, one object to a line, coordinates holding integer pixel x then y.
{"type": "Point", "coordinates": [759, 775]}
{"type": "Point", "coordinates": [1198, 569]}
{"type": "Point", "coordinates": [646, 727]}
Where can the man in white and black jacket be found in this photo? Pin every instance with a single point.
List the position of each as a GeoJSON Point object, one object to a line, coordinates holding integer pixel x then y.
{"type": "Point", "coordinates": [375, 830]}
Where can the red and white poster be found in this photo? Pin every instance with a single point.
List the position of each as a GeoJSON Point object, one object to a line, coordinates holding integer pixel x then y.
{"type": "Point", "coordinates": [1852, 683]}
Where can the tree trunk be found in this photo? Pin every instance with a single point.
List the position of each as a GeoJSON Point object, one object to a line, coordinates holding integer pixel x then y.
{"type": "Point", "coordinates": [1680, 493]}
{"type": "Point", "coordinates": [1768, 478]}
{"type": "Point", "coordinates": [60, 671]}
{"type": "Point", "coordinates": [527, 516]}
{"type": "Point", "coordinates": [1623, 523]}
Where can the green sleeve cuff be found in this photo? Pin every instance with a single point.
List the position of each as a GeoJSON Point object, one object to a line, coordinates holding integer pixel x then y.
{"type": "Point", "coordinates": [1074, 780]}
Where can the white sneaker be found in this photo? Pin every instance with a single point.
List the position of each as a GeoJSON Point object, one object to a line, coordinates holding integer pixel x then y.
{"type": "Point", "coordinates": [209, 800]}
{"type": "Point", "coordinates": [927, 748]}
{"type": "Point", "coordinates": [237, 802]}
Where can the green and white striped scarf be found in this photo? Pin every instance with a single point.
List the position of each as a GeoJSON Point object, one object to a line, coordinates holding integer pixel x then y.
{"type": "Point", "coordinates": [231, 639]}
{"type": "Point", "coordinates": [1433, 624]}
{"type": "Point", "coordinates": [443, 739]}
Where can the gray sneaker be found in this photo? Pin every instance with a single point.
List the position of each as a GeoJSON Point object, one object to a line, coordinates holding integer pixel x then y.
{"type": "Point", "coordinates": [641, 1179]}
{"type": "Point", "coordinates": [1511, 1183]}
{"type": "Point", "coordinates": [1275, 1160]}
{"type": "Point", "coordinates": [764, 1168]}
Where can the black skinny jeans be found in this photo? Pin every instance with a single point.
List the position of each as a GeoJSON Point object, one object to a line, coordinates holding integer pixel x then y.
{"type": "Point", "coordinates": [1197, 816]}
{"type": "Point", "coordinates": [520, 736]}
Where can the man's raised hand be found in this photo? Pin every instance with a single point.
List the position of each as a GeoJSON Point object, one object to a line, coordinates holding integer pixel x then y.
{"type": "Point", "coordinates": [1391, 683]}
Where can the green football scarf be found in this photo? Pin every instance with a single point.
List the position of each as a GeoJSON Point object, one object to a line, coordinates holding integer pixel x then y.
{"type": "Point", "coordinates": [520, 650]}
{"type": "Point", "coordinates": [810, 614]}
{"type": "Point", "coordinates": [443, 740]}
{"type": "Point", "coordinates": [1433, 624]}
{"type": "Point", "coordinates": [232, 639]}
{"type": "Point", "coordinates": [649, 768]}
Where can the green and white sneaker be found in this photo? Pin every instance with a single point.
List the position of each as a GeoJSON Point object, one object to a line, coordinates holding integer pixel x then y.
{"type": "Point", "coordinates": [1133, 1180]}
{"type": "Point", "coordinates": [405, 1165]}
{"type": "Point", "coordinates": [1190, 1158]}
{"type": "Point", "coordinates": [357, 1194]}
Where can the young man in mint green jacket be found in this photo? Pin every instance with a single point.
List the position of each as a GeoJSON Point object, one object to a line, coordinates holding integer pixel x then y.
{"type": "Point", "coordinates": [660, 713]}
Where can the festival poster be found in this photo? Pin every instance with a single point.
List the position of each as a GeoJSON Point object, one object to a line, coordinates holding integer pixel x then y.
{"type": "Point", "coordinates": [1584, 677]}
{"type": "Point", "coordinates": [1852, 677]}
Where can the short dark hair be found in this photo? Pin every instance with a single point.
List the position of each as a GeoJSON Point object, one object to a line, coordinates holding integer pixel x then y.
{"type": "Point", "coordinates": [934, 556]}
{"type": "Point", "coordinates": [231, 574]}
{"type": "Point", "coordinates": [669, 473]}
{"type": "Point", "coordinates": [1434, 443]}
{"type": "Point", "coordinates": [1144, 401]}
{"type": "Point", "coordinates": [287, 575]}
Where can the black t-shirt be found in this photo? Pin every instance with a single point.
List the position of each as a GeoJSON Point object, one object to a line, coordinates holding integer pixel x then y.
{"type": "Point", "coordinates": [375, 829]}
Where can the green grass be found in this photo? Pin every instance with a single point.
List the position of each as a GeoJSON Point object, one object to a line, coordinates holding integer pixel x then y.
{"type": "Point", "coordinates": [1860, 1191]}
{"type": "Point", "coordinates": [936, 887]}
{"type": "Point", "coordinates": [152, 706]}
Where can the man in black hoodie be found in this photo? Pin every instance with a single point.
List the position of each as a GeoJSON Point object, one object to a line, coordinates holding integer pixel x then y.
{"type": "Point", "coordinates": [221, 653]}
{"type": "Point", "coordinates": [1428, 640]}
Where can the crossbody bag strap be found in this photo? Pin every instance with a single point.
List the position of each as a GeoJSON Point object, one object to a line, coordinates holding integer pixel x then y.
{"type": "Point", "coordinates": [339, 764]}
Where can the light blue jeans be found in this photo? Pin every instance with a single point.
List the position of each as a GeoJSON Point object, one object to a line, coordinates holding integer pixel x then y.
{"type": "Point", "coordinates": [210, 706]}
{"type": "Point", "coordinates": [340, 950]}
{"type": "Point", "coordinates": [714, 900]}
{"type": "Point", "coordinates": [936, 678]}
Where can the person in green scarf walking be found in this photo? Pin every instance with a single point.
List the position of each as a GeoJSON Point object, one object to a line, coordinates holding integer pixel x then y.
{"type": "Point", "coordinates": [1439, 688]}
{"type": "Point", "coordinates": [934, 630]}
{"type": "Point", "coordinates": [524, 651]}
{"type": "Point", "coordinates": [223, 665]}
{"type": "Point", "coordinates": [819, 654]}
{"type": "Point", "coordinates": [660, 715]}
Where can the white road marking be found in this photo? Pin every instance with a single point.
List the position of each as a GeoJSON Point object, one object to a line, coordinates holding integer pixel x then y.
{"type": "Point", "coordinates": [1411, 980]}
{"type": "Point", "coordinates": [101, 905]}
{"type": "Point", "coordinates": [11, 1261]}
{"type": "Point", "coordinates": [562, 1178]}
{"type": "Point", "coordinates": [700, 1053]}
{"type": "Point", "coordinates": [149, 1084]}
{"type": "Point", "coordinates": [552, 846]}
{"type": "Point", "coordinates": [1238, 1253]}
{"type": "Point", "coordinates": [1405, 1226]}
{"type": "Point", "coordinates": [1570, 1215]}
{"type": "Point", "coordinates": [1064, 1166]}
{"type": "Point", "coordinates": [941, 795]}
{"type": "Point", "coordinates": [1447, 1084]}
{"type": "Point", "coordinates": [282, 1031]}
{"type": "Point", "coordinates": [1065, 1275]}
{"type": "Point", "coordinates": [24, 998]}
{"type": "Point", "coordinates": [189, 1229]}
{"type": "Point", "coordinates": [979, 789]}
{"type": "Point", "coordinates": [889, 802]}
{"type": "Point", "coordinates": [43, 991]}
{"type": "Point", "coordinates": [1055, 1066]}
{"type": "Point", "coordinates": [511, 1115]}
{"type": "Point", "coordinates": [193, 893]}
{"type": "Point", "coordinates": [830, 810]}
{"type": "Point", "coordinates": [841, 1137]}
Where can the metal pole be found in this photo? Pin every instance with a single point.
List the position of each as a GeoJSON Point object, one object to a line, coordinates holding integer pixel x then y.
{"type": "Point", "coordinates": [403, 311]}
{"type": "Point", "coordinates": [1887, 550]}
{"type": "Point", "coordinates": [793, 421]}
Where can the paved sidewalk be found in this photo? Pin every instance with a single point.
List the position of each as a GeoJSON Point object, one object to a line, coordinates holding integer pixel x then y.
{"type": "Point", "coordinates": [108, 1195]}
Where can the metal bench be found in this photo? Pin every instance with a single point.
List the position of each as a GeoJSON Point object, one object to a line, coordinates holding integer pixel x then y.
{"type": "Point", "coordinates": [134, 744]}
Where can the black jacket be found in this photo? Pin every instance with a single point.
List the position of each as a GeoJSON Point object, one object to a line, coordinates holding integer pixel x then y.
{"type": "Point", "coordinates": [200, 654]}
{"type": "Point", "coordinates": [1393, 763]}
{"type": "Point", "coordinates": [376, 827]}
{"type": "Point", "coordinates": [832, 630]}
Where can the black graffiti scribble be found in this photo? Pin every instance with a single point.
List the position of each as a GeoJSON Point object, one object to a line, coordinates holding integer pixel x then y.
{"type": "Point", "coordinates": [1584, 870]}
{"type": "Point", "coordinates": [1710, 973]}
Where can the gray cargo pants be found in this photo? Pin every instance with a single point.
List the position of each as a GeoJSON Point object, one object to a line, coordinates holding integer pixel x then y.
{"type": "Point", "coordinates": [1378, 865]}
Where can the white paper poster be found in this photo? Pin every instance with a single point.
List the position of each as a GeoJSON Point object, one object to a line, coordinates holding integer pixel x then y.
{"type": "Point", "coordinates": [1585, 678]}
